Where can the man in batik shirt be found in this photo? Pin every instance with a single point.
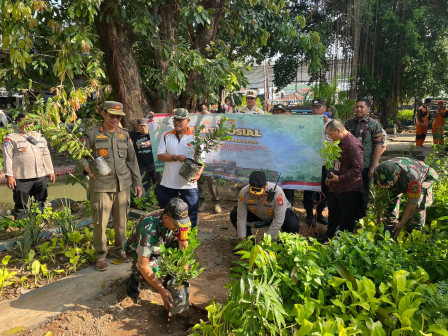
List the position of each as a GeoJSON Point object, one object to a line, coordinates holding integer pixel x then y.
{"type": "Point", "coordinates": [168, 227]}
{"type": "Point", "coordinates": [411, 177]}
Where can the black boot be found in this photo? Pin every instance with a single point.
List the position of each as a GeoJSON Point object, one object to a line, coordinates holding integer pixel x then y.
{"type": "Point", "coordinates": [310, 219]}
{"type": "Point", "coordinates": [133, 287]}
{"type": "Point", "coordinates": [321, 219]}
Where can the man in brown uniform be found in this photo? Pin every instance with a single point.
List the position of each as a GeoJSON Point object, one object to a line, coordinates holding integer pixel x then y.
{"type": "Point", "coordinates": [111, 192]}
{"type": "Point", "coordinates": [27, 162]}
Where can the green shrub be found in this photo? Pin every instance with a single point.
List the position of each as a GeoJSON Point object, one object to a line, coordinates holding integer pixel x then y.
{"type": "Point", "coordinates": [405, 115]}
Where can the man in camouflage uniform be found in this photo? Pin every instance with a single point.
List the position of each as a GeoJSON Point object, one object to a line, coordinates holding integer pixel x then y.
{"type": "Point", "coordinates": [111, 193]}
{"type": "Point", "coordinates": [251, 107]}
{"type": "Point", "coordinates": [369, 133]}
{"type": "Point", "coordinates": [168, 227]}
{"type": "Point", "coordinates": [254, 205]}
{"type": "Point", "coordinates": [411, 177]}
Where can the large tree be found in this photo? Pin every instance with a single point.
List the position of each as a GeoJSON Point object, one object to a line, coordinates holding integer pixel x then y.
{"type": "Point", "coordinates": [154, 54]}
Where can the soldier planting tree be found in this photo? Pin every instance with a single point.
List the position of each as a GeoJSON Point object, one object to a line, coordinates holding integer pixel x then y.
{"type": "Point", "coordinates": [413, 178]}
{"type": "Point", "coordinates": [169, 227]}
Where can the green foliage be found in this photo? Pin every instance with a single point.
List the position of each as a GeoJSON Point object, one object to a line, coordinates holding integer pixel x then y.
{"type": "Point", "coordinates": [181, 264]}
{"type": "Point", "coordinates": [6, 277]}
{"type": "Point", "coordinates": [212, 138]}
{"type": "Point", "coordinates": [405, 115]}
{"type": "Point", "coordinates": [326, 91]}
{"type": "Point", "coordinates": [363, 284]}
{"type": "Point", "coordinates": [345, 109]}
{"type": "Point", "coordinates": [147, 201]}
{"type": "Point", "coordinates": [330, 153]}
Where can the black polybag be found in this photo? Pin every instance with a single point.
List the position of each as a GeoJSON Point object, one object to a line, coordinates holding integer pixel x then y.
{"type": "Point", "coordinates": [180, 294]}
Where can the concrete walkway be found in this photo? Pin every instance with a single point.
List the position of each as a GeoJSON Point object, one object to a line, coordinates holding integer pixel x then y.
{"type": "Point", "coordinates": [39, 305]}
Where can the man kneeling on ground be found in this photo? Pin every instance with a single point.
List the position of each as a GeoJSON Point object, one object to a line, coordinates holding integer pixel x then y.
{"type": "Point", "coordinates": [254, 204]}
{"type": "Point", "coordinates": [169, 227]}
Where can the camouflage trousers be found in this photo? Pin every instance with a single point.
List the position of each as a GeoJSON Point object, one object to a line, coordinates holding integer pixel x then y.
{"type": "Point", "coordinates": [417, 221]}
{"type": "Point", "coordinates": [153, 263]}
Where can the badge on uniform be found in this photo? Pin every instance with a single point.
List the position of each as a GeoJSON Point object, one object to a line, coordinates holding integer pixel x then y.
{"type": "Point", "coordinates": [121, 136]}
{"type": "Point", "coordinates": [101, 136]}
{"type": "Point", "coordinates": [188, 145]}
{"type": "Point", "coordinates": [280, 199]}
{"type": "Point", "coordinates": [240, 198]}
{"type": "Point", "coordinates": [103, 152]}
{"type": "Point", "coordinates": [6, 142]}
{"type": "Point", "coordinates": [84, 140]}
{"type": "Point", "coordinates": [414, 190]}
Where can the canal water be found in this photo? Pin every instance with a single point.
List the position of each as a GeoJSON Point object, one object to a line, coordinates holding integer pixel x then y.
{"type": "Point", "coordinates": [57, 190]}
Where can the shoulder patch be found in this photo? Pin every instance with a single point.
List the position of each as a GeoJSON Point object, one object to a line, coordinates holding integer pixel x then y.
{"type": "Point", "coordinates": [414, 190]}
{"type": "Point", "coordinates": [183, 234]}
{"type": "Point", "coordinates": [280, 199]}
{"type": "Point", "coordinates": [240, 198]}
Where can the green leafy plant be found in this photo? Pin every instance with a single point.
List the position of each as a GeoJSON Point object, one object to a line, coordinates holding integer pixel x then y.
{"type": "Point", "coordinates": [330, 153]}
{"type": "Point", "coordinates": [6, 277]}
{"type": "Point", "coordinates": [147, 201]}
{"type": "Point", "coordinates": [46, 250]}
{"type": "Point", "coordinates": [212, 139]}
{"type": "Point", "coordinates": [74, 255]}
{"type": "Point", "coordinates": [181, 264]}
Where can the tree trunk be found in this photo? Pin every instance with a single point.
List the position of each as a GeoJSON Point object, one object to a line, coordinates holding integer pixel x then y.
{"type": "Point", "coordinates": [121, 65]}
{"type": "Point", "coordinates": [357, 4]}
{"type": "Point", "coordinates": [201, 40]}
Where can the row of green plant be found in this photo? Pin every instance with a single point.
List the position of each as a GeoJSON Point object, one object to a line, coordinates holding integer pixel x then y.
{"type": "Point", "coordinates": [363, 284]}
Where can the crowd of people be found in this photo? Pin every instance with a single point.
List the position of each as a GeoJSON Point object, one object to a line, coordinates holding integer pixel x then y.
{"type": "Point", "coordinates": [129, 156]}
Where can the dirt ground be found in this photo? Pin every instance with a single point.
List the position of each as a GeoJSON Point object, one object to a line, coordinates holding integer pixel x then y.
{"type": "Point", "coordinates": [115, 314]}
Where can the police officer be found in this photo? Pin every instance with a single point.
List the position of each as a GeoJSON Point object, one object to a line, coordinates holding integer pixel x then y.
{"type": "Point", "coordinates": [254, 204]}
{"type": "Point", "coordinates": [27, 162]}
{"type": "Point", "coordinates": [251, 107]}
{"type": "Point", "coordinates": [110, 193]}
{"type": "Point", "coordinates": [413, 178]}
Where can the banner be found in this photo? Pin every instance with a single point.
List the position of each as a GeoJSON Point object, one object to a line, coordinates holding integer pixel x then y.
{"type": "Point", "coordinates": [284, 145]}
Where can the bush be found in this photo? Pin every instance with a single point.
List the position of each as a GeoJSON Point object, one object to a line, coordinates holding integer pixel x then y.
{"type": "Point", "coordinates": [405, 115]}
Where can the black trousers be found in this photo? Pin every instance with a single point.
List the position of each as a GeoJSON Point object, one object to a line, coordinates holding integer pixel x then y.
{"type": "Point", "coordinates": [321, 200]}
{"type": "Point", "coordinates": [341, 212]}
{"type": "Point", "coordinates": [290, 225]}
{"type": "Point", "coordinates": [289, 193]}
{"type": "Point", "coordinates": [363, 201]}
{"type": "Point", "coordinates": [26, 188]}
{"type": "Point", "coordinates": [150, 176]}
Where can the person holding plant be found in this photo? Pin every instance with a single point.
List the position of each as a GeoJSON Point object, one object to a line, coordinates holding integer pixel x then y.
{"type": "Point", "coordinates": [111, 192]}
{"type": "Point", "coordinates": [413, 178]}
{"type": "Point", "coordinates": [169, 227]}
{"type": "Point", "coordinates": [345, 183]}
{"type": "Point", "coordinates": [174, 148]}
{"type": "Point", "coordinates": [27, 162]}
{"type": "Point", "coordinates": [143, 150]}
{"type": "Point", "coordinates": [263, 201]}
{"type": "Point", "coordinates": [309, 196]}
{"type": "Point", "coordinates": [437, 124]}
{"type": "Point", "coordinates": [369, 133]}
{"type": "Point", "coordinates": [422, 123]}
{"type": "Point", "coordinates": [251, 107]}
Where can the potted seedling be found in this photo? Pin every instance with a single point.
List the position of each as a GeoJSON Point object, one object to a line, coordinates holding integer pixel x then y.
{"type": "Point", "coordinates": [330, 153]}
{"type": "Point", "coordinates": [68, 139]}
{"type": "Point", "coordinates": [179, 267]}
{"type": "Point", "coordinates": [206, 144]}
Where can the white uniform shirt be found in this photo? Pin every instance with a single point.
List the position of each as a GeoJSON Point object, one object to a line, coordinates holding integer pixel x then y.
{"type": "Point", "coordinates": [253, 110]}
{"type": "Point", "coordinates": [170, 144]}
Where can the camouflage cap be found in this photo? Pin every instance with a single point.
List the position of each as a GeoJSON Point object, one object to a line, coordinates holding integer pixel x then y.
{"type": "Point", "coordinates": [181, 113]}
{"type": "Point", "coordinates": [251, 93]}
{"type": "Point", "coordinates": [319, 102]}
{"type": "Point", "coordinates": [113, 107]}
{"type": "Point", "coordinates": [384, 175]}
{"type": "Point", "coordinates": [178, 210]}
{"type": "Point", "coordinates": [142, 121]}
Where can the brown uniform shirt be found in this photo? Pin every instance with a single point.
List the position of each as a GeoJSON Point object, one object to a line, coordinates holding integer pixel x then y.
{"type": "Point", "coordinates": [24, 160]}
{"type": "Point", "coordinates": [118, 151]}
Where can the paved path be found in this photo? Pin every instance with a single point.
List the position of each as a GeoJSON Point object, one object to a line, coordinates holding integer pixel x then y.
{"type": "Point", "coordinates": [39, 305]}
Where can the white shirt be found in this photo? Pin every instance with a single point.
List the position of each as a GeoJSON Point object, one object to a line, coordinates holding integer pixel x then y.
{"type": "Point", "coordinates": [170, 144]}
{"type": "Point", "coordinates": [253, 110]}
